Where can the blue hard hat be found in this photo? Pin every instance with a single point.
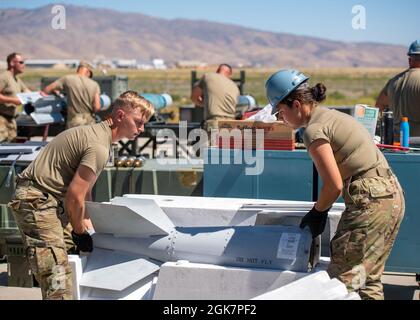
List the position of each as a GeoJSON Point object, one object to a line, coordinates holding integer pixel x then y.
{"type": "Point", "coordinates": [414, 48]}
{"type": "Point", "coordinates": [281, 84]}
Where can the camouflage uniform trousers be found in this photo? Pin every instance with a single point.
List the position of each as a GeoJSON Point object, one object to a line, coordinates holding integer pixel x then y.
{"type": "Point", "coordinates": [80, 119]}
{"type": "Point", "coordinates": [8, 129]}
{"type": "Point", "coordinates": [46, 235]}
{"type": "Point", "coordinates": [366, 233]}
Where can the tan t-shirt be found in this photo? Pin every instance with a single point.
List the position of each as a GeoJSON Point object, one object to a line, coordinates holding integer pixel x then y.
{"type": "Point", "coordinates": [403, 92]}
{"type": "Point", "coordinates": [80, 92]}
{"type": "Point", "coordinates": [56, 164]}
{"type": "Point", "coordinates": [10, 86]}
{"type": "Point", "coordinates": [353, 147]}
{"type": "Point", "coordinates": [220, 96]}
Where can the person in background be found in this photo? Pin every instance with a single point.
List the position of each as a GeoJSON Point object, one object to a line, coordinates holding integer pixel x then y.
{"type": "Point", "coordinates": [10, 85]}
{"type": "Point", "coordinates": [402, 93]}
{"type": "Point", "coordinates": [218, 95]}
{"type": "Point", "coordinates": [82, 94]}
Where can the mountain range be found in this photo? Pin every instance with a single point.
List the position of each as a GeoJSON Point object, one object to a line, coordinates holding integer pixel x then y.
{"type": "Point", "coordinates": [103, 33]}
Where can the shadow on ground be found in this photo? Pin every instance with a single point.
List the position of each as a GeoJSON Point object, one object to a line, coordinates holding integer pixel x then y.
{"type": "Point", "coordinates": [398, 292]}
{"type": "Point", "coordinates": [3, 279]}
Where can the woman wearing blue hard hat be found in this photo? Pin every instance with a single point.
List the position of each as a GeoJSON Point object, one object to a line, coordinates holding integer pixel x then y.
{"type": "Point", "coordinates": [350, 164]}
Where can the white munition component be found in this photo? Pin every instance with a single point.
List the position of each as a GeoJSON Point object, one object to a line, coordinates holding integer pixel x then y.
{"type": "Point", "coordinates": [47, 109]}
{"type": "Point", "coordinates": [139, 226]}
{"type": "Point", "coordinates": [210, 211]}
{"type": "Point", "coordinates": [249, 245]}
{"type": "Point", "coordinates": [29, 97]}
{"type": "Point", "coordinates": [25, 152]}
{"type": "Point", "coordinates": [105, 102]}
{"type": "Point", "coordinates": [159, 101]}
{"type": "Point", "coordinates": [192, 281]}
{"type": "Point", "coordinates": [41, 109]}
{"type": "Point", "coordinates": [317, 286]}
{"type": "Point", "coordinates": [247, 101]}
{"type": "Point", "coordinates": [47, 118]}
{"type": "Point", "coordinates": [48, 104]}
{"type": "Point", "coordinates": [77, 264]}
{"type": "Point", "coordinates": [134, 236]}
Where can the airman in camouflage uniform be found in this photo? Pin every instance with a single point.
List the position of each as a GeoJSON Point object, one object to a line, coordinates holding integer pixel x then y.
{"type": "Point", "coordinates": [349, 163]}
{"type": "Point", "coordinates": [65, 171]}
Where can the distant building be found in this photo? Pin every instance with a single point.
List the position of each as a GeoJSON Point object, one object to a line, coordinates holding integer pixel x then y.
{"type": "Point", "coordinates": [125, 63]}
{"type": "Point", "coordinates": [159, 64]}
{"type": "Point", "coordinates": [104, 63]}
{"type": "Point", "coordinates": [191, 64]}
{"type": "Point", "coordinates": [50, 63]}
{"type": "Point", "coordinates": [144, 66]}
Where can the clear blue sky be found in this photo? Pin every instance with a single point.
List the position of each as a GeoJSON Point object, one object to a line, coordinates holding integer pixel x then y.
{"type": "Point", "coordinates": [387, 21]}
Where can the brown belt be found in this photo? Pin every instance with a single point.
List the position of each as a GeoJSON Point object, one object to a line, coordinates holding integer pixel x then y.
{"type": "Point", "coordinates": [372, 173]}
{"type": "Point", "coordinates": [22, 182]}
{"type": "Point", "coordinates": [30, 183]}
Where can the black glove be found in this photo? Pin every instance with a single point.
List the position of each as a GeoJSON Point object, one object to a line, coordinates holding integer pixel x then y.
{"type": "Point", "coordinates": [82, 241]}
{"type": "Point", "coordinates": [316, 220]}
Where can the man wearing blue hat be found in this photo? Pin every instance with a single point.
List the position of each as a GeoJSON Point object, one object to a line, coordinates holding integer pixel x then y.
{"type": "Point", "coordinates": [349, 163]}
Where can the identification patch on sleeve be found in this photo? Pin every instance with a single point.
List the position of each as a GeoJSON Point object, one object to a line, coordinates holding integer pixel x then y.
{"type": "Point", "coordinates": [288, 246]}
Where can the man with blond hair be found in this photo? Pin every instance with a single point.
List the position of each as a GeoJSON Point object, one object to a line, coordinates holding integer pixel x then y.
{"type": "Point", "coordinates": [65, 172]}
{"type": "Point", "coordinates": [10, 85]}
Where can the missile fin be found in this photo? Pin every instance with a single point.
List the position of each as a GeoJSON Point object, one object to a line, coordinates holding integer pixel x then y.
{"type": "Point", "coordinates": [112, 270]}
{"type": "Point", "coordinates": [141, 219]}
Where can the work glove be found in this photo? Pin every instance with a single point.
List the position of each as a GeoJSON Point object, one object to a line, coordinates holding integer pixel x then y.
{"type": "Point", "coordinates": [316, 220]}
{"type": "Point", "coordinates": [82, 241]}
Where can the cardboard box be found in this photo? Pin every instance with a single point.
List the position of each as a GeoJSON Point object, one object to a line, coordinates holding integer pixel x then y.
{"type": "Point", "coordinates": [274, 130]}
{"type": "Point", "coordinates": [276, 135]}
